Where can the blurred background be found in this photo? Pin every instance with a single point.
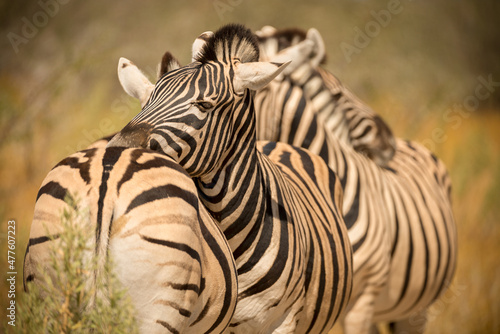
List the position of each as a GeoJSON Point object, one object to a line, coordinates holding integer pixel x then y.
{"type": "Point", "coordinates": [430, 68]}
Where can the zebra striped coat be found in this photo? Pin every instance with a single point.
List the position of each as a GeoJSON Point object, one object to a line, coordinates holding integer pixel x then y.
{"type": "Point", "coordinates": [277, 204]}
{"type": "Point", "coordinates": [399, 217]}
{"type": "Point", "coordinates": [361, 127]}
{"type": "Point", "coordinates": [145, 214]}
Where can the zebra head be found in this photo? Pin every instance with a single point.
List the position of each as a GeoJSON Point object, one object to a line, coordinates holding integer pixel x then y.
{"type": "Point", "coordinates": [292, 43]}
{"type": "Point", "coordinates": [201, 113]}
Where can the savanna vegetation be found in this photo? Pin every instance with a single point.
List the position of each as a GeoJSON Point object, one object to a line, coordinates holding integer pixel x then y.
{"type": "Point", "coordinates": [68, 301]}
{"type": "Point", "coordinates": [430, 68]}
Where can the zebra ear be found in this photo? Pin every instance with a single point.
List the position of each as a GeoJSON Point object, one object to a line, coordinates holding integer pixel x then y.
{"type": "Point", "coordinates": [133, 81]}
{"type": "Point", "coordinates": [319, 53]}
{"type": "Point", "coordinates": [168, 63]}
{"type": "Point", "coordinates": [255, 75]}
{"type": "Point", "coordinates": [298, 54]}
{"type": "Point", "coordinates": [266, 31]}
{"type": "Point", "coordinates": [199, 43]}
{"type": "Point", "coordinates": [312, 50]}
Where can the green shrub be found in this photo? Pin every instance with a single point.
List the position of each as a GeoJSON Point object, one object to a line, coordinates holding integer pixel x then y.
{"type": "Point", "coordinates": [71, 300]}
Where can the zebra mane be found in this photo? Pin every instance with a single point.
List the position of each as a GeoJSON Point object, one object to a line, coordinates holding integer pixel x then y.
{"type": "Point", "coordinates": [285, 37]}
{"type": "Point", "coordinates": [239, 40]}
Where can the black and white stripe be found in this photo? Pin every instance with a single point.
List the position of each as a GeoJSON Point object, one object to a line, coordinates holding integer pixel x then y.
{"type": "Point", "coordinates": [278, 205]}
{"type": "Point", "coordinates": [399, 217]}
{"type": "Point", "coordinates": [359, 125]}
{"type": "Point", "coordinates": [144, 212]}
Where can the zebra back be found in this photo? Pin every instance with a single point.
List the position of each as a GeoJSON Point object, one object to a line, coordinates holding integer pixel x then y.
{"type": "Point", "coordinates": [144, 213]}
{"type": "Point", "coordinates": [351, 119]}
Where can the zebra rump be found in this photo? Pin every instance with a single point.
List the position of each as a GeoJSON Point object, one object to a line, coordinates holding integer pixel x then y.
{"type": "Point", "coordinates": [145, 214]}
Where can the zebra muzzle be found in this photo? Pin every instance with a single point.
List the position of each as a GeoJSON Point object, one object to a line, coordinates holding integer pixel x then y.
{"type": "Point", "coordinates": [132, 136]}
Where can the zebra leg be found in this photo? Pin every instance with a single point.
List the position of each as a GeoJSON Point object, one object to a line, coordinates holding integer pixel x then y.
{"type": "Point", "coordinates": [289, 324]}
{"type": "Point", "coordinates": [358, 319]}
{"type": "Point", "coordinates": [410, 325]}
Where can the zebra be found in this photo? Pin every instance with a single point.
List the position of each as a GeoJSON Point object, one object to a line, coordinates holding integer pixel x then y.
{"type": "Point", "coordinates": [320, 141]}
{"type": "Point", "coordinates": [363, 129]}
{"type": "Point", "coordinates": [278, 205]}
{"type": "Point", "coordinates": [399, 216]}
{"type": "Point", "coordinates": [145, 213]}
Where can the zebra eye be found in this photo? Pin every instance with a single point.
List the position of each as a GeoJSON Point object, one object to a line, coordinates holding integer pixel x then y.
{"type": "Point", "coordinates": [205, 105]}
{"type": "Point", "coordinates": [154, 145]}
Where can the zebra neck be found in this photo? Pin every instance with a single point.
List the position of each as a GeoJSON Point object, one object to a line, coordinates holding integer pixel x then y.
{"type": "Point", "coordinates": [234, 197]}
{"type": "Point", "coordinates": [326, 97]}
{"type": "Point", "coordinates": [233, 194]}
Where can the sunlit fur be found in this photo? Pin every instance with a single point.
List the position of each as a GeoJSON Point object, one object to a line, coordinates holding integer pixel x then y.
{"type": "Point", "coordinates": [399, 217]}
{"type": "Point", "coordinates": [278, 205]}
{"type": "Point", "coordinates": [348, 116]}
{"type": "Point", "coordinates": [144, 213]}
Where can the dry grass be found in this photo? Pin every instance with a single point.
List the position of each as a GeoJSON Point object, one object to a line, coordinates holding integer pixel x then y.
{"type": "Point", "coordinates": [60, 92]}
